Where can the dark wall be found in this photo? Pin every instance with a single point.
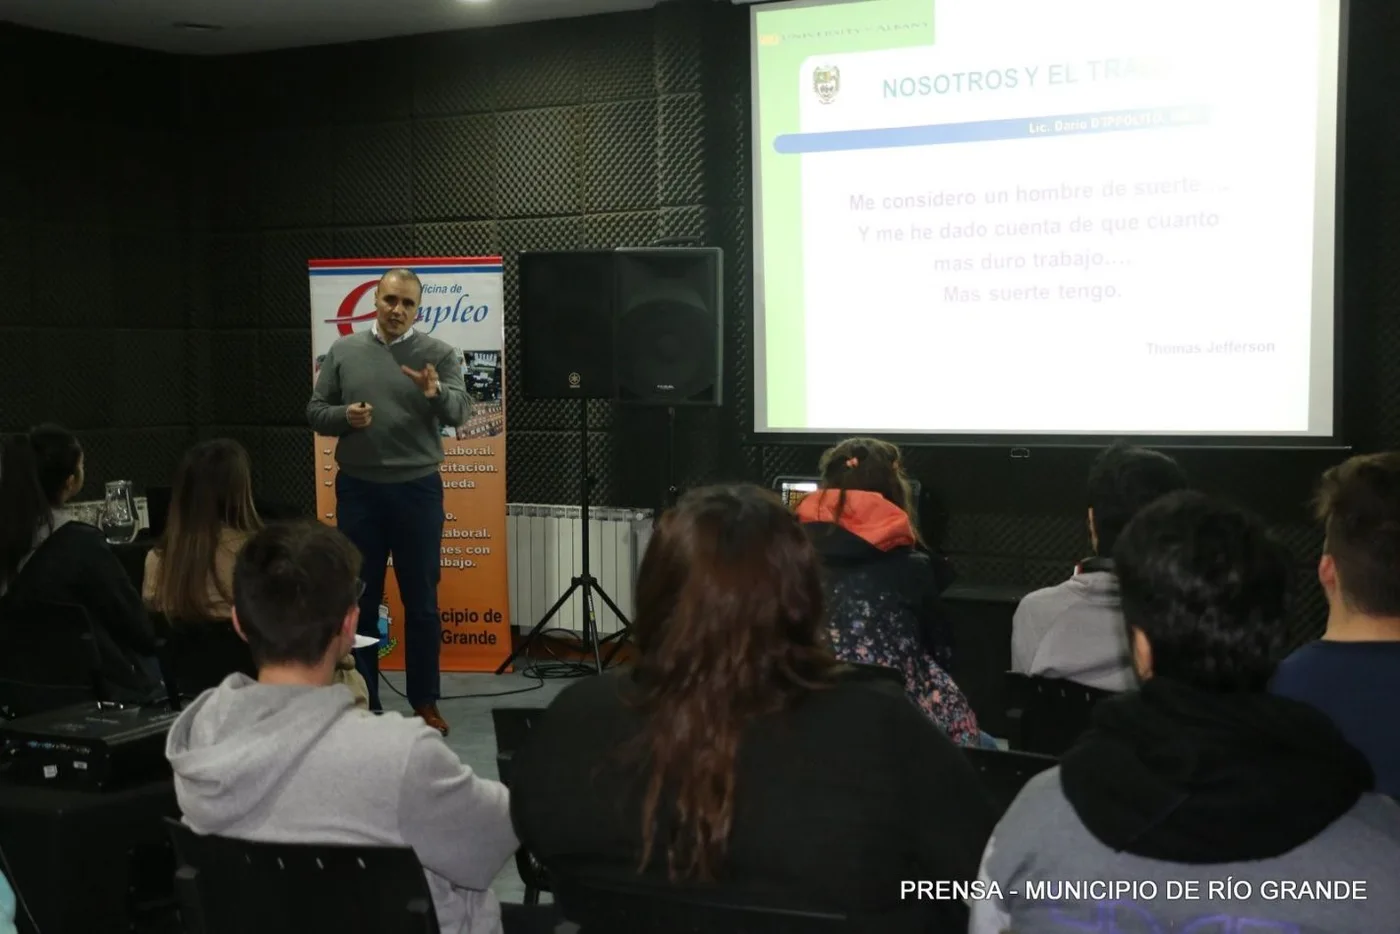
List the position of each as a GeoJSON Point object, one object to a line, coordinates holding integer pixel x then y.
{"type": "Point", "coordinates": [604, 131]}
{"type": "Point", "coordinates": [96, 315]}
{"type": "Point", "coordinates": [159, 214]}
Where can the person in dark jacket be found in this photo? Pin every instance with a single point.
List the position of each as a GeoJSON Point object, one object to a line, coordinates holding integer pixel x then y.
{"type": "Point", "coordinates": [883, 589]}
{"type": "Point", "coordinates": [1352, 673]}
{"type": "Point", "coordinates": [738, 758]}
{"type": "Point", "coordinates": [48, 557]}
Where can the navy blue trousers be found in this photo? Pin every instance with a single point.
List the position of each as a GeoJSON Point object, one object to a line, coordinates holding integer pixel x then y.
{"type": "Point", "coordinates": [404, 520]}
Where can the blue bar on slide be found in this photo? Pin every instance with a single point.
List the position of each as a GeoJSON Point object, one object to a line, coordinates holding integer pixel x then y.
{"type": "Point", "coordinates": [983, 131]}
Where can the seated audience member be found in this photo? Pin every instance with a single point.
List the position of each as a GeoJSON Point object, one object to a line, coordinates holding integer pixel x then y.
{"type": "Point", "coordinates": [1074, 630]}
{"type": "Point", "coordinates": [189, 574]}
{"type": "Point", "coordinates": [1353, 673]}
{"type": "Point", "coordinates": [1202, 776]}
{"type": "Point", "coordinates": [883, 601]}
{"type": "Point", "coordinates": [48, 557]}
{"type": "Point", "coordinates": [737, 757]}
{"type": "Point", "coordinates": [289, 759]}
{"type": "Point", "coordinates": [211, 516]}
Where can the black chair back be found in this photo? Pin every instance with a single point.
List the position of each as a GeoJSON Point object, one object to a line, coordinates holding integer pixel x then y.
{"type": "Point", "coordinates": [227, 886]}
{"type": "Point", "coordinates": [1054, 712]}
{"type": "Point", "coordinates": [1005, 772]}
{"type": "Point", "coordinates": [979, 618]}
{"type": "Point", "coordinates": [50, 660]}
{"type": "Point", "coordinates": [132, 557]}
{"type": "Point", "coordinates": [158, 509]}
{"type": "Point", "coordinates": [196, 655]}
{"type": "Point", "coordinates": [513, 725]}
{"type": "Point", "coordinates": [599, 907]}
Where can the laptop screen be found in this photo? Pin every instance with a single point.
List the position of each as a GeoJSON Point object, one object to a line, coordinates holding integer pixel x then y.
{"type": "Point", "coordinates": [792, 489]}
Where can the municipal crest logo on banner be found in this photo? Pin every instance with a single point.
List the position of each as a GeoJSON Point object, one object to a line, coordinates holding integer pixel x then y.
{"type": "Point", "coordinates": [826, 81]}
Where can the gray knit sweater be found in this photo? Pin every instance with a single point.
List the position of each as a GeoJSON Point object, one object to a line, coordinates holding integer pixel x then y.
{"type": "Point", "coordinates": [404, 439]}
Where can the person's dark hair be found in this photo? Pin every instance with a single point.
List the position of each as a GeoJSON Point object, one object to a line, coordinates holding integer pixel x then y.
{"type": "Point", "coordinates": [867, 464]}
{"type": "Point", "coordinates": [24, 508]}
{"type": "Point", "coordinates": [57, 456]}
{"type": "Point", "coordinates": [1208, 585]}
{"type": "Point", "coordinates": [213, 491]}
{"type": "Point", "coordinates": [1122, 481]}
{"type": "Point", "coordinates": [293, 583]}
{"type": "Point", "coordinates": [730, 626]}
{"type": "Point", "coordinates": [1358, 503]}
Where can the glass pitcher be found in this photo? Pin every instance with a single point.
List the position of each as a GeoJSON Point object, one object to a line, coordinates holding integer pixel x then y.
{"type": "Point", "coordinates": [119, 520]}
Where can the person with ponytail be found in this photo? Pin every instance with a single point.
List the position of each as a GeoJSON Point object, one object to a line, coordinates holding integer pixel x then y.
{"type": "Point", "coordinates": [189, 574]}
{"type": "Point", "coordinates": [883, 589]}
{"type": "Point", "coordinates": [48, 557]}
{"type": "Point", "coordinates": [740, 759]}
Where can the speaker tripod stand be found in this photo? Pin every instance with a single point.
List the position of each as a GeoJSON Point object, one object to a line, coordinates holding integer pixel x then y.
{"type": "Point", "coordinates": [584, 581]}
{"type": "Point", "coordinates": [673, 492]}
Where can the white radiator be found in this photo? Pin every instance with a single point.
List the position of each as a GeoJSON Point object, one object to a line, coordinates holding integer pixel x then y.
{"type": "Point", "coordinates": [546, 552]}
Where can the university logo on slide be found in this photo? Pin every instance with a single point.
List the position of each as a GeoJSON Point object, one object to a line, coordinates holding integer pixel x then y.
{"type": "Point", "coordinates": [826, 81]}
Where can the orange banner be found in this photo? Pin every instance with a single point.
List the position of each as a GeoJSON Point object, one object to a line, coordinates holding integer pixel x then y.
{"type": "Point", "coordinates": [463, 304]}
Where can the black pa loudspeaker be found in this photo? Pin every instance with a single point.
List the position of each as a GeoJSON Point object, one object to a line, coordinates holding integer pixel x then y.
{"type": "Point", "coordinates": [566, 324]}
{"type": "Point", "coordinates": [639, 325]}
{"type": "Point", "coordinates": [669, 325]}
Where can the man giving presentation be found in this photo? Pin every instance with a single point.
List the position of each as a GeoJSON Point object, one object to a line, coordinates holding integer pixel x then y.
{"type": "Point", "coordinates": [386, 393]}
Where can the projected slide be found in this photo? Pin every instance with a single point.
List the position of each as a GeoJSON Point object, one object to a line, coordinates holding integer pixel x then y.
{"type": "Point", "coordinates": [1041, 217]}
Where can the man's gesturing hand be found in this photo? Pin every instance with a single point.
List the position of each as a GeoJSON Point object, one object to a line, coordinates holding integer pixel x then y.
{"type": "Point", "coordinates": [425, 379]}
{"type": "Point", "coordinates": [360, 414]}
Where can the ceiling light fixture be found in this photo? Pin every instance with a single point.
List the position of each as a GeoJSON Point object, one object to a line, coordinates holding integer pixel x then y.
{"type": "Point", "coordinates": [199, 27]}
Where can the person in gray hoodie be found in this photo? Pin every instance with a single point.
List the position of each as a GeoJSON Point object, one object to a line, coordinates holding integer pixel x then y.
{"type": "Point", "coordinates": [1074, 630]}
{"type": "Point", "coordinates": [289, 758]}
{"type": "Point", "coordinates": [1201, 803]}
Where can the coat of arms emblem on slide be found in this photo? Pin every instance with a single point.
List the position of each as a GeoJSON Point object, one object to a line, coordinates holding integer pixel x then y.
{"type": "Point", "coordinates": [826, 81]}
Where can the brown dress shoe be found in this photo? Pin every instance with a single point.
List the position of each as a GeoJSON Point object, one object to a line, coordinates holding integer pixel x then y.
{"type": "Point", "coordinates": [430, 715]}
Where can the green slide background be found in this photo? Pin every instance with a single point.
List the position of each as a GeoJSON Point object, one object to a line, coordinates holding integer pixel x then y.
{"type": "Point", "coordinates": [785, 37]}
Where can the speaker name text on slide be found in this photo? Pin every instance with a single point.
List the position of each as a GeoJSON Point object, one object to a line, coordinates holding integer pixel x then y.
{"type": "Point", "coordinates": [1047, 217]}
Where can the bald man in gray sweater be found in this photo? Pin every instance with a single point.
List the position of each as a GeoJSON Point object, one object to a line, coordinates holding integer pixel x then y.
{"type": "Point", "coordinates": [385, 394]}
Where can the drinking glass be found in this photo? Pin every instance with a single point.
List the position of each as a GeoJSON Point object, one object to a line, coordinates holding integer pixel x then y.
{"type": "Point", "coordinates": [119, 513]}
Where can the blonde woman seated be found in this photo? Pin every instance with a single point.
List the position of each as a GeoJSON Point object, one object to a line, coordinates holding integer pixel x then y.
{"type": "Point", "coordinates": [189, 574]}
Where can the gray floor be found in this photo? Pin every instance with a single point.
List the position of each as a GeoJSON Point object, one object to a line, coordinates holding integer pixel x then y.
{"type": "Point", "coordinates": [473, 737]}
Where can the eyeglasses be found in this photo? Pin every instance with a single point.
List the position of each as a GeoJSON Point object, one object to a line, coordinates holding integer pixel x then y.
{"type": "Point", "coordinates": [359, 590]}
